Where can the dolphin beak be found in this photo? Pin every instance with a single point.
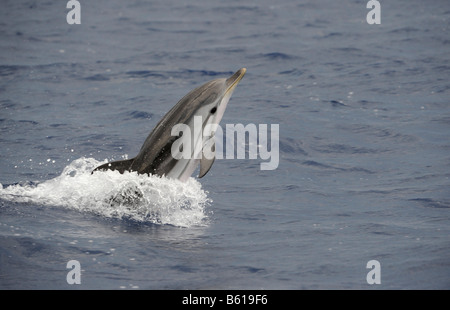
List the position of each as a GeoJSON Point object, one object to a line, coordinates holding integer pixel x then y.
{"type": "Point", "coordinates": [233, 80]}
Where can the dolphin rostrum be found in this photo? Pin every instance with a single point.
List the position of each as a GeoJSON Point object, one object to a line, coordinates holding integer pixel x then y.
{"type": "Point", "coordinates": [209, 102]}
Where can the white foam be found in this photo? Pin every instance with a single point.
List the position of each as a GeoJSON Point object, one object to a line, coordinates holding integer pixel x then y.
{"type": "Point", "coordinates": [138, 197]}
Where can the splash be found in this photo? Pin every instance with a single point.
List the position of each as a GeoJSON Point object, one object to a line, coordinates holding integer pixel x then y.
{"type": "Point", "coordinates": [141, 198]}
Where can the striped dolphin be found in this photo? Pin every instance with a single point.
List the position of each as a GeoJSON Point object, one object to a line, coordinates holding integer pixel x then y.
{"type": "Point", "coordinates": [208, 101]}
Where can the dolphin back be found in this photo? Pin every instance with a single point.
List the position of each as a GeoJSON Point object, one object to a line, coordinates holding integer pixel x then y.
{"type": "Point", "coordinates": [120, 165]}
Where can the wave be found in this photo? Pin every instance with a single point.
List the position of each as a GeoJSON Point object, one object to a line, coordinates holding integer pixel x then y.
{"type": "Point", "coordinates": [278, 56]}
{"type": "Point", "coordinates": [141, 198]}
{"type": "Point", "coordinates": [182, 73]}
{"type": "Point", "coordinates": [432, 203]}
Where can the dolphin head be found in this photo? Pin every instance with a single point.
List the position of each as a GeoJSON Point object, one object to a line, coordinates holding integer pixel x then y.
{"type": "Point", "coordinates": [215, 96]}
{"type": "Point", "coordinates": [209, 102]}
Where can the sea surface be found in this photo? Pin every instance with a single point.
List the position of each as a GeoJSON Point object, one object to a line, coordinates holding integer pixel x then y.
{"type": "Point", "coordinates": [364, 145]}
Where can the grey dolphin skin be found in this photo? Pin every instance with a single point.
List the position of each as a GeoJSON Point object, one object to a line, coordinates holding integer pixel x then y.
{"type": "Point", "coordinates": [155, 157]}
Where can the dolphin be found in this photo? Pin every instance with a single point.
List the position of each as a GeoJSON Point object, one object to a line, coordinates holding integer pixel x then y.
{"type": "Point", "coordinates": [208, 101]}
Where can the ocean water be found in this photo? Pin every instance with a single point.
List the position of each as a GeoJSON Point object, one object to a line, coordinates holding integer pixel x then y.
{"type": "Point", "coordinates": [364, 145]}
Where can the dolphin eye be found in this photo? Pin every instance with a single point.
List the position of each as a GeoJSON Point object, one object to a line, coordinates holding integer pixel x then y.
{"type": "Point", "coordinates": [213, 110]}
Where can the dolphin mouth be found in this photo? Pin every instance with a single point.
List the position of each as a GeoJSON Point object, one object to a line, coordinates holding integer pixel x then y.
{"type": "Point", "coordinates": [233, 80]}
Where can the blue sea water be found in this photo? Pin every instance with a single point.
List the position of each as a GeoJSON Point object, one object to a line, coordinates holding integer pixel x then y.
{"type": "Point", "coordinates": [364, 118]}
